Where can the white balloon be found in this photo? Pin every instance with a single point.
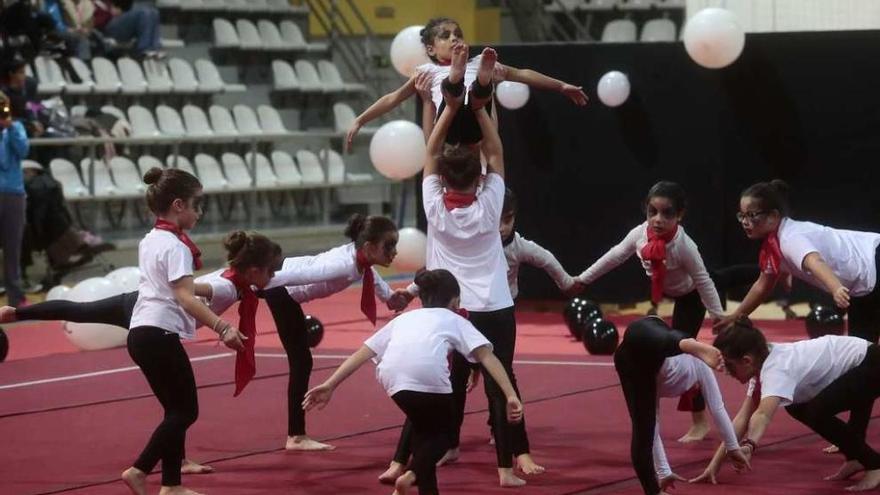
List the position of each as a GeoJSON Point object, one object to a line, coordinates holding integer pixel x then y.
{"type": "Point", "coordinates": [512, 95]}
{"type": "Point", "coordinates": [714, 38]}
{"type": "Point", "coordinates": [613, 88]}
{"type": "Point", "coordinates": [93, 336]}
{"type": "Point", "coordinates": [127, 277]}
{"type": "Point", "coordinates": [397, 149]}
{"type": "Point", "coordinates": [407, 51]}
{"type": "Point", "coordinates": [58, 292]}
{"type": "Point", "coordinates": [412, 245]}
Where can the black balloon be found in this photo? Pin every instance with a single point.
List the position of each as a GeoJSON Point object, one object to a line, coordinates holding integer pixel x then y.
{"type": "Point", "coordinates": [579, 314]}
{"type": "Point", "coordinates": [4, 345]}
{"type": "Point", "coordinates": [314, 330]}
{"type": "Point", "coordinates": [824, 320]}
{"type": "Point", "coordinates": [601, 337]}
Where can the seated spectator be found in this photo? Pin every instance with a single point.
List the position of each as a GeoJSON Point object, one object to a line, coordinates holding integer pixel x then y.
{"type": "Point", "coordinates": [127, 21]}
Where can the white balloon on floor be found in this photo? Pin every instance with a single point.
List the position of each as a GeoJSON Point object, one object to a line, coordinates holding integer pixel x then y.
{"type": "Point", "coordinates": [407, 51]}
{"type": "Point", "coordinates": [126, 277]}
{"type": "Point", "coordinates": [714, 38]}
{"type": "Point", "coordinates": [93, 336]}
{"type": "Point", "coordinates": [58, 292]}
{"type": "Point", "coordinates": [512, 95]}
{"type": "Point", "coordinates": [412, 244]}
{"type": "Point", "coordinates": [613, 88]}
{"type": "Point", "coordinates": [397, 149]}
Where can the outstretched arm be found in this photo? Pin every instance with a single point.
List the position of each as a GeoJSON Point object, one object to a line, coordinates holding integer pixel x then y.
{"type": "Point", "coordinates": [760, 290]}
{"type": "Point", "coordinates": [382, 106]}
{"type": "Point", "coordinates": [537, 80]}
{"type": "Point", "coordinates": [814, 264]}
{"type": "Point", "coordinates": [320, 395]}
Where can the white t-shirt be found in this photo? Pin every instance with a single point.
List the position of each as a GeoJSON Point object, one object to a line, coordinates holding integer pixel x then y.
{"type": "Point", "coordinates": [163, 259]}
{"type": "Point", "coordinates": [412, 350]}
{"type": "Point", "coordinates": [466, 242]}
{"type": "Point", "coordinates": [677, 375]}
{"type": "Point", "coordinates": [798, 371]}
{"type": "Point", "coordinates": [521, 250]}
{"type": "Point", "coordinates": [441, 72]}
{"type": "Point", "coordinates": [850, 254]}
{"type": "Point", "coordinates": [684, 266]}
{"type": "Point", "coordinates": [334, 271]}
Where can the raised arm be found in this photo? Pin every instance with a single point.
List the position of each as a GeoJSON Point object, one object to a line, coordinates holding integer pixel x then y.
{"type": "Point", "coordinates": [491, 146]}
{"type": "Point", "coordinates": [382, 106]}
{"type": "Point", "coordinates": [537, 80]}
{"type": "Point", "coordinates": [438, 134]}
{"type": "Point", "coordinates": [423, 82]}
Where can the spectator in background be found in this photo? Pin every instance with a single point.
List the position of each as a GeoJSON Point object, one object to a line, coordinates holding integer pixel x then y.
{"type": "Point", "coordinates": [13, 149]}
{"type": "Point", "coordinates": [22, 93]}
{"type": "Point", "coordinates": [126, 21]}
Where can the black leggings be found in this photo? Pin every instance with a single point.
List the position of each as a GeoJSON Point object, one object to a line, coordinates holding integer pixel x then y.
{"type": "Point", "coordinates": [464, 128]}
{"type": "Point", "coordinates": [646, 344]}
{"type": "Point", "coordinates": [864, 311]}
{"type": "Point", "coordinates": [115, 310]}
{"type": "Point", "coordinates": [855, 391]}
{"type": "Point", "coordinates": [511, 440]}
{"type": "Point", "coordinates": [429, 420]}
{"type": "Point", "coordinates": [161, 357]}
{"type": "Point", "coordinates": [291, 324]}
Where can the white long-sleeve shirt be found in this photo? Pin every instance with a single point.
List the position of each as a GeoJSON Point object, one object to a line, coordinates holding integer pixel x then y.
{"type": "Point", "coordinates": [329, 272]}
{"type": "Point", "coordinates": [684, 266]}
{"type": "Point", "coordinates": [678, 375]}
{"type": "Point", "coordinates": [521, 250]}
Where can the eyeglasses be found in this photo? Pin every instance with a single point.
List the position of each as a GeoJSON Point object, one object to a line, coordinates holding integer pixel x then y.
{"type": "Point", "coordinates": [750, 216]}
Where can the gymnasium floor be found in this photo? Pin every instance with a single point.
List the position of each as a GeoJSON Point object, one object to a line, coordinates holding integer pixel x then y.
{"type": "Point", "coordinates": [72, 421]}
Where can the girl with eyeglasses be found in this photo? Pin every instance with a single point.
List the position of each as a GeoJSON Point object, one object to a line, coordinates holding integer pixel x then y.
{"type": "Point", "coordinates": [842, 262]}
{"type": "Point", "coordinates": [373, 242]}
{"type": "Point", "coordinates": [673, 262]}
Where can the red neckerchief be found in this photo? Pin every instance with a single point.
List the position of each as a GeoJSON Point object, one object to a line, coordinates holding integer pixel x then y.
{"type": "Point", "coordinates": [453, 199]}
{"type": "Point", "coordinates": [368, 292]}
{"type": "Point", "coordinates": [655, 252]}
{"type": "Point", "coordinates": [245, 360]}
{"type": "Point", "coordinates": [771, 254]}
{"type": "Point", "coordinates": [463, 313]}
{"type": "Point", "coordinates": [443, 63]}
{"type": "Point", "coordinates": [163, 224]}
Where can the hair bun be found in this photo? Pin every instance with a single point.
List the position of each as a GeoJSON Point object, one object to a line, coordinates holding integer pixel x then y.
{"type": "Point", "coordinates": [426, 280]}
{"type": "Point", "coordinates": [153, 175]}
{"type": "Point", "coordinates": [781, 186]}
{"type": "Point", "coordinates": [235, 241]}
{"type": "Point", "coordinates": [355, 226]}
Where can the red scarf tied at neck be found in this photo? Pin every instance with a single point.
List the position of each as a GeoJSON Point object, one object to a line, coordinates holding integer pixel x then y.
{"type": "Point", "coordinates": [368, 292]}
{"type": "Point", "coordinates": [453, 199]}
{"type": "Point", "coordinates": [245, 359]}
{"type": "Point", "coordinates": [771, 254]}
{"type": "Point", "coordinates": [655, 253]}
{"type": "Point", "coordinates": [162, 224]}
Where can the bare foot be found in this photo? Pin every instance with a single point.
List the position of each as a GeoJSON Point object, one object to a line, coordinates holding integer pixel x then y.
{"type": "Point", "coordinates": [846, 471]}
{"type": "Point", "coordinates": [709, 354]}
{"type": "Point", "coordinates": [507, 479]}
{"type": "Point", "coordinates": [831, 449]}
{"type": "Point", "coordinates": [450, 456]}
{"type": "Point", "coordinates": [190, 467]}
{"type": "Point", "coordinates": [177, 490]}
{"type": "Point", "coordinates": [459, 61]}
{"type": "Point", "coordinates": [7, 314]}
{"type": "Point", "coordinates": [136, 480]}
{"type": "Point", "coordinates": [870, 481]}
{"type": "Point", "coordinates": [487, 66]}
{"type": "Point", "coordinates": [404, 483]}
{"type": "Point", "coordinates": [699, 429]}
{"type": "Point", "coordinates": [303, 442]}
{"type": "Point", "coordinates": [395, 470]}
{"type": "Point", "coordinates": [528, 465]}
